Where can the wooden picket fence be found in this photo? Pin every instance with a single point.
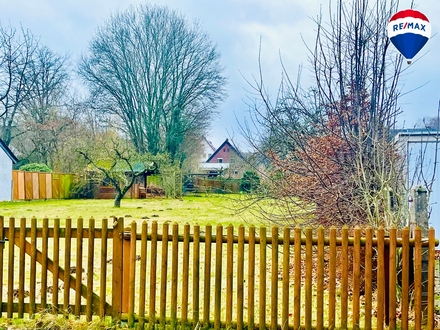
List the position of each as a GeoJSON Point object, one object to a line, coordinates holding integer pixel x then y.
{"type": "Point", "coordinates": [233, 277]}
{"type": "Point", "coordinates": [39, 185]}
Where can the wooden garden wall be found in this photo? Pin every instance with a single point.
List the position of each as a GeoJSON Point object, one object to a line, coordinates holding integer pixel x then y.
{"type": "Point", "coordinates": [39, 185]}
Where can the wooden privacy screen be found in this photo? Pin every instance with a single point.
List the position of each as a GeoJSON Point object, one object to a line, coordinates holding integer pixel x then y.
{"type": "Point", "coordinates": [38, 185]}
{"type": "Point", "coordinates": [219, 277]}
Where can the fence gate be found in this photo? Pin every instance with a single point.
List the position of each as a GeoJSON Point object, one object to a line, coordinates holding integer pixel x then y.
{"type": "Point", "coordinates": [218, 277]}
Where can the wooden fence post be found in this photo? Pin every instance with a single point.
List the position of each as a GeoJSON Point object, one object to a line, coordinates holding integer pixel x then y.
{"type": "Point", "coordinates": [118, 228]}
{"type": "Point", "coordinates": [419, 218]}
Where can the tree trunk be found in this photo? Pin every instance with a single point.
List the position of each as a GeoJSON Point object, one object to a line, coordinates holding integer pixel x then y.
{"type": "Point", "coordinates": [118, 199]}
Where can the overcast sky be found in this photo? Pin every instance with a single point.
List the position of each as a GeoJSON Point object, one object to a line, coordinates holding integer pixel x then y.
{"type": "Point", "coordinates": [67, 26]}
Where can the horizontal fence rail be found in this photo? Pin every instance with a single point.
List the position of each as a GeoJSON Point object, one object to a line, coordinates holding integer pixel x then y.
{"type": "Point", "coordinates": [171, 275]}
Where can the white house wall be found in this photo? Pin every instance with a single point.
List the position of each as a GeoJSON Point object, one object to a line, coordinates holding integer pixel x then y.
{"type": "Point", "coordinates": [421, 154]}
{"type": "Point", "coordinates": [5, 177]}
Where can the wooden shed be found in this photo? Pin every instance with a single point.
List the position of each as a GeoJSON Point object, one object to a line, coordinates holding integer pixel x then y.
{"type": "Point", "coordinates": [7, 159]}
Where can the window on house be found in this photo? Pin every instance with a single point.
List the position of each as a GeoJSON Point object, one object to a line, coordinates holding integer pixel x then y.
{"type": "Point", "coordinates": [219, 160]}
{"type": "Point", "coordinates": [224, 149]}
{"type": "Point", "coordinates": [235, 172]}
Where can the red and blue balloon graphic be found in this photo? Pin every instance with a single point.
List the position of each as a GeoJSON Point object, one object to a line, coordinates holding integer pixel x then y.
{"type": "Point", "coordinates": [409, 30]}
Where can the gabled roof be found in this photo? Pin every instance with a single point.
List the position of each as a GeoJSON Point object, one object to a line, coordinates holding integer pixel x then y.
{"type": "Point", "coordinates": [221, 147]}
{"type": "Point", "coordinates": [8, 152]}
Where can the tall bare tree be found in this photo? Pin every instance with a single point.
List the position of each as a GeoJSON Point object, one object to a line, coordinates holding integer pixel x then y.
{"type": "Point", "coordinates": [158, 74]}
{"type": "Point", "coordinates": [17, 49]}
{"type": "Point", "coordinates": [46, 113]}
{"type": "Point", "coordinates": [330, 145]}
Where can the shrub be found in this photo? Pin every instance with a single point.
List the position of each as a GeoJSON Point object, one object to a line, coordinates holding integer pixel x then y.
{"type": "Point", "coordinates": [249, 182]}
{"type": "Point", "coordinates": [35, 167]}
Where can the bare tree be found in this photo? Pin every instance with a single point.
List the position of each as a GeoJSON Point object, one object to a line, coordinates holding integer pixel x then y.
{"type": "Point", "coordinates": [158, 74]}
{"type": "Point", "coordinates": [330, 146]}
{"type": "Point", "coordinates": [17, 49]}
{"type": "Point", "coordinates": [46, 113]}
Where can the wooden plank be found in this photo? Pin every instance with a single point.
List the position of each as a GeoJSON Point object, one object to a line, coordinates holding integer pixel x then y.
{"type": "Point", "coordinates": [29, 194]}
{"type": "Point", "coordinates": [196, 274]}
{"type": "Point", "coordinates": [67, 252]}
{"type": "Point", "coordinates": [368, 277]}
{"type": "Point", "coordinates": [90, 263]}
{"type": "Point", "coordinates": [262, 282]}
{"type": "Point", "coordinates": [15, 185]}
{"type": "Point", "coordinates": [132, 275]}
{"type": "Point", "coordinates": [308, 281]}
{"type": "Point", "coordinates": [79, 265]}
{"type": "Point", "coordinates": [10, 268]}
{"type": "Point", "coordinates": [55, 186]}
{"type": "Point", "coordinates": [356, 278]}
{"type": "Point", "coordinates": [33, 266]}
{"type": "Point", "coordinates": [56, 264]}
{"type": "Point", "coordinates": [274, 281]}
{"type": "Point", "coordinates": [297, 280]}
{"type": "Point", "coordinates": [380, 293]}
{"type": "Point", "coordinates": [21, 185]}
{"type": "Point", "coordinates": [240, 278]}
{"type": "Point", "coordinates": [185, 275]}
{"type": "Point", "coordinates": [174, 274]}
{"type": "Point", "coordinates": [320, 280]}
{"type": "Point", "coordinates": [118, 231]}
{"type": "Point", "coordinates": [21, 270]}
{"type": "Point", "coordinates": [49, 194]}
{"type": "Point", "coordinates": [35, 186]}
{"type": "Point", "coordinates": [251, 279]}
{"type": "Point", "coordinates": [286, 269]}
{"type": "Point", "coordinates": [163, 276]}
{"type": "Point", "coordinates": [143, 276]}
{"type": "Point", "coordinates": [392, 278]}
{"type": "Point", "coordinates": [45, 254]}
{"type": "Point", "coordinates": [418, 279]}
{"type": "Point", "coordinates": [332, 280]}
{"type": "Point", "coordinates": [218, 277]}
{"type": "Point", "coordinates": [42, 185]}
{"type": "Point", "coordinates": [103, 268]}
{"type": "Point", "coordinates": [229, 274]}
{"type": "Point", "coordinates": [405, 279]}
{"type": "Point", "coordinates": [431, 279]}
{"type": "Point", "coordinates": [344, 278]}
{"type": "Point", "coordinates": [153, 275]}
{"type": "Point", "coordinates": [207, 276]}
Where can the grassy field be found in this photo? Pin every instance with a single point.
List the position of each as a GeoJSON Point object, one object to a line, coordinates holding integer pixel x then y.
{"type": "Point", "coordinates": [210, 209]}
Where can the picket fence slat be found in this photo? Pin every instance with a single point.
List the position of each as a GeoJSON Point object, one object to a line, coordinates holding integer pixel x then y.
{"type": "Point", "coordinates": [21, 271]}
{"type": "Point", "coordinates": [218, 278]}
{"type": "Point", "coordinates": [143, 276]}
{"type": "Point", "coordinates": [332, 280]}
{"type": "Point", "coordinates": [90, 259]}
{"type": "Point", "coordinates": [185, 274]}
{"type": "Point", "coordinates": [328, 275]}
{"type": "Point", "coordinates": [262, 282]}
{"type": "Point", "coordinates": [297, 282]}
{"type": "Point", "coordinates": [153, 276]}
{"type": "Point", "coordinates": [251, 280]}
{"type": "Point", "coordinates": [368, 277]}
{"type": "Point", "coordinates": [67, 252]}
{"type": "Point", "coordinates": [56, 264]}
{"type": "Point", "coordinates": [2, 245]}
{"type": "Point", "coordinates": [174, 274]}
{"type": "Point", "coordinates": [103, 268]}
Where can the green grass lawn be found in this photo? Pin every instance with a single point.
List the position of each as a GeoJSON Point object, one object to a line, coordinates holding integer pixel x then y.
{"type": "Point", "coordinates": [210, 209]}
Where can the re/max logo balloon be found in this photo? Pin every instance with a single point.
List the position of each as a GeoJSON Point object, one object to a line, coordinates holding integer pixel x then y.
{"type": "Point", "coordinates": [409, 25]}
{"type": "Point", "coordinates": [409, 30]}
